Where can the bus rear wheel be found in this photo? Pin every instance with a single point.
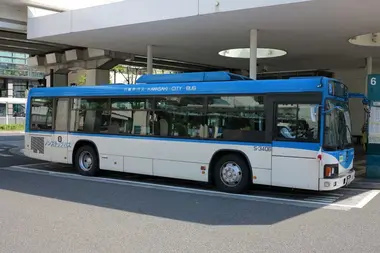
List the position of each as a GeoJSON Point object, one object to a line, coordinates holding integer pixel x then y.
{"type": "Point", "coordinates": [86, 161]}
{"type": "Point", "coordinates": [231, 174]}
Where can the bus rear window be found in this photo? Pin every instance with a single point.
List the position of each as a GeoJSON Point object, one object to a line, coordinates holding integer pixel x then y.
{"type": "Point", "coordinates": [41, 114]}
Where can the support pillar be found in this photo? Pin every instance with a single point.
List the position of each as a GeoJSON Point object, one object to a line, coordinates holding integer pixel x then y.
{"type": "Point", "coordinates": [369, 67]}
{"type": "Point", "coordinates": [6, 113]}
{"type": "Point", "coordinates": [56, 80]}
{"type": "Point", "coordinates": [253, 54]}
{"type": "Point", "coordinates": [149, 62]}
{"type": "Point", "coordinates": [97, 76]}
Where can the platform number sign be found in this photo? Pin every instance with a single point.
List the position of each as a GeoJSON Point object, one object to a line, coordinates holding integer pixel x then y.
{"type": "Point", "coordinates": [373, 87]}
{"type": "Point", "coordinates": [373, 80]}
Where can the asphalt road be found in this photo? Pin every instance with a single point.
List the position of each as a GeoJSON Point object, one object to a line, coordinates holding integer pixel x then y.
{"type": "Point", "coordinates": [9, 158]}
{"type": "Point", "coordinates": [47, 213]}
{"type": "Point", "coordinates": [42, 213]}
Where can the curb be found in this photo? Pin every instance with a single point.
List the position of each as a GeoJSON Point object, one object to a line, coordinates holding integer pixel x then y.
{"type": "Point", "coordinates": [12, 132]}
{"type": "Point", "coordinates": [12, 138]}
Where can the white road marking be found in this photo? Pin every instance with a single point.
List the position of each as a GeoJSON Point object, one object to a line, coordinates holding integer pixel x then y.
{"type": "Point", "coordinates": [322, 199]}
{"type": "Point", "coordinates": [5, 155]}
{"type": "Point", "coordinates": [368, 198]}
{"type": "Point", "coordinates": [325, 202]}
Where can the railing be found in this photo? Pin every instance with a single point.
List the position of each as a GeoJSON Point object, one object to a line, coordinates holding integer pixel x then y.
{"type": "Point", "coordinates": [21, 73]}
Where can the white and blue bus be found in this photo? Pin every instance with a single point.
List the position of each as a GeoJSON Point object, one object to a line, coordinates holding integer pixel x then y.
{"type": "Point", "coordinates": [213, 127]}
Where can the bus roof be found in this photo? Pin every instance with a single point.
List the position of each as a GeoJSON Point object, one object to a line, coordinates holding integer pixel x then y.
{"type": "Point", "coordinates": [172, 87]}
{"type": "Point", "coordinates": [216, 76]}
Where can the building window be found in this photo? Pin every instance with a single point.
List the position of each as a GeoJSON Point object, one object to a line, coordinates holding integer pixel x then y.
{"type": "Point", "coordinates": [18, 110]}
{"type": "Point", "coordinates": [3, 88]}
{"type": "Point", "coordinates": [19, 88]}
{"type": "Point", "coordinates": [5, 54]}
{"type": "Point", "coordinates": [2, 110]}
{"type": "Point", "coordinates": [297, 122]}
{"type": "Point", "coordinates": [41, 114]}
{"type": "Point", "coordinates": [15, 64]}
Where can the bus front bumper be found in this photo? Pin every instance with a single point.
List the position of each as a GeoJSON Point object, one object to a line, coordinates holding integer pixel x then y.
{"type": "Point", "coordinates": [336, 183]}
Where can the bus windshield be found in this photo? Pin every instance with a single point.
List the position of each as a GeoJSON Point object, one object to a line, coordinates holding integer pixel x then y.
{"type": "Point", "coordinates": [337, 126]}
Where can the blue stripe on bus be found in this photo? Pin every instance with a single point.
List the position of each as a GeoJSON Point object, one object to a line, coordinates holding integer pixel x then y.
{"type": "Point", "coordinates": [284, 144]}
{"type": "Point", "coordinates": [229, 87]}
{"type": "Point", "coordinates": [297, 145]}
{"type": "Point", "coordinates": [348, 156]}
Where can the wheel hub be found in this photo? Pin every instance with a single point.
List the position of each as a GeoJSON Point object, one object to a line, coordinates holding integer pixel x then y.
{"type": "Point", "coordinates": [85, 161]}
{"type": "Point", "coordinates": [231, 174]}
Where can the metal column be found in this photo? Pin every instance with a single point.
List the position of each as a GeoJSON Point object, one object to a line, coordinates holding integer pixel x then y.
{"type": "Point", "coordinates": [253, 54]}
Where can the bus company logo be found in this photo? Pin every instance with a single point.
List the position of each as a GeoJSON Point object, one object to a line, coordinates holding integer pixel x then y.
{"type": "Point", "coordinates": [56, 144]}
{"type": "Point", "coordinates": [162, 88]}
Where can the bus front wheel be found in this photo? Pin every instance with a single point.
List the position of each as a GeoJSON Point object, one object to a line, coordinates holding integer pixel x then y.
{"type": "Point", "coordinates": [231, 174]}
{"type": "Point", "coordinates": [86, 161]}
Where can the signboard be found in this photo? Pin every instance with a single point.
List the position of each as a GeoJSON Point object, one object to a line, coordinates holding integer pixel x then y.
{"type": "Point", "coordinates": [373, 85]}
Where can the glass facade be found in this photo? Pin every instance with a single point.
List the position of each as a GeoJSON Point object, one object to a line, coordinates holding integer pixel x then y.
{"type": "Point", "coordinates": [15, 64]}
{"type": "Point", "coordinates": [15, 79]}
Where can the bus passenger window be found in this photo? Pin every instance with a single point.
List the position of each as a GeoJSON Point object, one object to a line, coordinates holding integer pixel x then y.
{"type": "Point", "coordinates": [130, 116]}
{"type": "Point", "coordinates": [236, 118]}
{"type": "Point", "coordinates": [41, 114]}
{"type": "Point", "coordinates": [90, 115]}
{"type": "Point", "coordinates": [180, 117]}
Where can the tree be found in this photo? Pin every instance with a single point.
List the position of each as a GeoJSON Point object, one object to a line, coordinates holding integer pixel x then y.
{"type": "Point", "coordinates": [82, 79]}
{"type": "Point", "coordinates": [121, 70]}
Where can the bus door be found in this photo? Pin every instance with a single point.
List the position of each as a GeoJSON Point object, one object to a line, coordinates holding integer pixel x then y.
{"type": "Point", "coordinates": [295, 140]}
{"type": "Point", "coordinates": [60, 143]}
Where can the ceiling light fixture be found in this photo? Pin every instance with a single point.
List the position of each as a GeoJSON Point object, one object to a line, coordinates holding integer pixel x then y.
{"type": "Point", "coordinates": [366, 40]}
{"type": "Point", "coordinates": [245, 53]}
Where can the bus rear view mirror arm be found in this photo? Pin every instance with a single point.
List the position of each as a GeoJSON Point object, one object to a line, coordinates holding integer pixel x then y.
{"type": "Point", "coordinates": [315, 111]}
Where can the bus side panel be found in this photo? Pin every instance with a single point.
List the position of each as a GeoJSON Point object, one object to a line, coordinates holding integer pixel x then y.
{"type": "Point", "coordinates": [58, 147]}
{"type": "Point", "coordinates": [295, 165]}
{"type": "Point", "coordinates": [184, 159]}
{"type": "Point", "coordinates": [172, 157]}
{"type": "Point", "coordinates": [110, 150]}
{"type": "Point", "coordinates": [59, 143]}
{"type": "Point", "coordinates": [37, 145]}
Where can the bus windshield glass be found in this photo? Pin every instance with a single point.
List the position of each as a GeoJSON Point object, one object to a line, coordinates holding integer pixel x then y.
{"type": "Point", "coordinates": [337, 126]}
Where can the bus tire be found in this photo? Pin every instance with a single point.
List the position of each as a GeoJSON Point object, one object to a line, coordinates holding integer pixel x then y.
{"type": "Point", "coordinates": [86, 161]}
{"type": "Point", "coordinates": [231, 174]}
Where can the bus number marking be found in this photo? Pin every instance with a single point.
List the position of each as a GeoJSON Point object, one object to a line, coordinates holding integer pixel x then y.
{"type": "Point", "coordinates": [262, 148]}
{"type": "Point", "coordinates": [56, 144]}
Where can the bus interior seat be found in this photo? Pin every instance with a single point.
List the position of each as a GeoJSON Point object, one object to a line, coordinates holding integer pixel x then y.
{"type": "Point", "coordinates": [114, 128]}
{"type": "Point", "coordinates": [164, 127]}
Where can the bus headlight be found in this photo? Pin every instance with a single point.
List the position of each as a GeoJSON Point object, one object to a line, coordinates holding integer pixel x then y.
{"type": "Point", "coordinates": [331, 170]}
